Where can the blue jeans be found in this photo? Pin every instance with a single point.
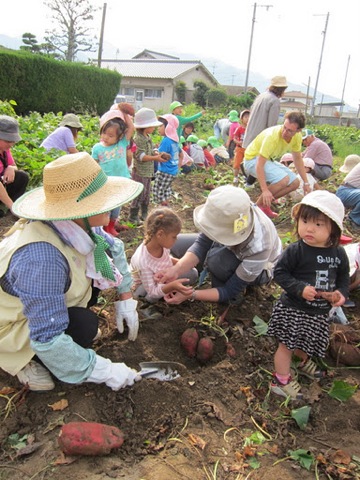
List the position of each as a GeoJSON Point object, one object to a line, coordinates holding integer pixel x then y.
{"type": "Point", "coordinates": [350, 197]}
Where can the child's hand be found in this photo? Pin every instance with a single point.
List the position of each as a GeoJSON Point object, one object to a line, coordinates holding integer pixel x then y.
{"type": "Point", "coordinates": [310, 293]}
{"type": "Point", "coordinates": [165, 156]}
{"type": "Point", "coordinates": [178, 286]}
{"type": "Point", "coordinates": [335, 298]}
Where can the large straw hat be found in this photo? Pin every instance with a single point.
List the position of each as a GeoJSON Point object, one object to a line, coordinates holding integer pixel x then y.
{"type": "Point", "coordinates": [74, 186]}
{"type": "Point", "coordinates": [227, 215]}
{"type": "Point", "coordinates": [279, 81]}
{"type": "Point", "coordinates": [350, 162]}
{"type": "Point", "coordinates": [328, 203]}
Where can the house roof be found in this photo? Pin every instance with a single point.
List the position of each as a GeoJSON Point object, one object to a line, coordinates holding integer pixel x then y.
{"type": "Point", "coordinates": [166, 69]}
{"type": "Point", "coordinates": [237, 90]}
{"type": "Point", "coordinates": [154, 55]}
{"type": "Point", "coordinates": [295, 94]}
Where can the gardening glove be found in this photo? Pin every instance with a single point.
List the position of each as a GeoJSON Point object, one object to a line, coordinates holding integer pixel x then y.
{"type": "Point", "coordinates": [126, 311]}
{"type": "Point", "coordinates": [114, 375]}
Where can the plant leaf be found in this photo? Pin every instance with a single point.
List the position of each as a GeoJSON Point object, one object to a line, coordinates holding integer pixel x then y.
{"type": "Point", "coordinates": [261, 327]}
{"type": "Point", "coordinates": [303, 457]}
{"type": "Point", "coordinates": [341, 390]}
{"type": "Point", "coordinates": [301, 416]}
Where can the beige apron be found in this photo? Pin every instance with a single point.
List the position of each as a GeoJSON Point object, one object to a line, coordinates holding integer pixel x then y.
{"type": "Point", "coordinates": [15, 351]}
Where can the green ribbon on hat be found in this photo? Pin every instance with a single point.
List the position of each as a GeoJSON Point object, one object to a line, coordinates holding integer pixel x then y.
{"type": "Point", "coordinates": [98, 182]}
{"type": "Point", "coordinates": [101, 260]}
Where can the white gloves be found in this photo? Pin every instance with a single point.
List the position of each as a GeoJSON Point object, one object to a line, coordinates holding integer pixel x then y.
{"type": "Point", "coordinates": [114, 375]}
{"type": "Point", "coordinates": [126, 311]}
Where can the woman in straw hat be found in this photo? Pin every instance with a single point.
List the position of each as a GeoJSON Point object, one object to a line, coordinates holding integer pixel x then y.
{"type": "Point", "coordinates": [51, 264]}
{"type": "Point", "coordinates": [238, 245]}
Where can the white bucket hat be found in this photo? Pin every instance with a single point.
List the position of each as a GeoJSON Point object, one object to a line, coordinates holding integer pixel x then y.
{"type": "Point", "coordinates": [309, 163]}
{"type": "Point", "coordinates": [74, 186]}
{"type": "Point", "coordinates": [328, 204]}
{"type": "Point", "coordinates": [350, 162]}
{"type": "Point", "coordinates": [145, 118]}
{"type": "Point", "coordinates": [227, 215]}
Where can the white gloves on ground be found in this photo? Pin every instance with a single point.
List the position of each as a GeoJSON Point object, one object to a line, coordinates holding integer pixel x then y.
{"type": "Point", "coordinates": [126, 311]}
{"type": "Point", "coordinates": [114, 375]}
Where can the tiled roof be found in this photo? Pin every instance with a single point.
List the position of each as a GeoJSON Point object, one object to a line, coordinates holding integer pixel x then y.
{"type": "Point", "coordinates": [152, 68]}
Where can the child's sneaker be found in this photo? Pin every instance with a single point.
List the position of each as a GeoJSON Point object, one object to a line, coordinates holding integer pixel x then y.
{"type": "Point", "coordinates": [310, 370]}
{"type": "Point", "coordinates": [236, 181]}
{"type": "Point", "coordinates": [290, 389]}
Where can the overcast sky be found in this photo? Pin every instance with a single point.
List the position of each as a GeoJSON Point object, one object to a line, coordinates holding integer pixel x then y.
{"type": "Point", "coordinates": [287, 36]}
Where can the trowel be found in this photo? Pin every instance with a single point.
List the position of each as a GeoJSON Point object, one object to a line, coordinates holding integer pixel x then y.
{"type": "Point", "coordinates": [161, 370]}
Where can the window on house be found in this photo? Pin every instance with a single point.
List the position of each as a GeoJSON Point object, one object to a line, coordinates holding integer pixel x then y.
{"type": "Point", "coordinates": [128, 91]}
{"type": "Point", "coordinates": [152, 93]}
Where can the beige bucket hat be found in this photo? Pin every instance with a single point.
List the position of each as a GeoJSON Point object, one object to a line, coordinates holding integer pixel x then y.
{"type": "Point", "coordinates": [328, 203]}
{"type": "Point", "coordinates": [350, 162]}
{"type": "Point", "coordinates": [227, 215]}
{"type": "Point", "coordinates": [279, 81]}
{"type": "Point", "coordinates": [71, 120]}
{"type": "Point", "coordinates": [74, 186]}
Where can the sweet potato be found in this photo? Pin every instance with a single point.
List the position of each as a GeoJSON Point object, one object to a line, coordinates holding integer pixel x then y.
{"type": "Point", "coordinates": [230, 350]}
{"type": "Point", "coordinates": [189, 341]}
{"type": "Point", "coordinates": [127, 108]}
{"type": "Point", "coordinates": [205, 349]}
{"type": "Point", "coordinates": [83, 438]}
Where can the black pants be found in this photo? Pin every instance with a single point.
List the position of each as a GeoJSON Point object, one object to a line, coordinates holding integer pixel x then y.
{"type": "Point", "coordinates": [18, 186]}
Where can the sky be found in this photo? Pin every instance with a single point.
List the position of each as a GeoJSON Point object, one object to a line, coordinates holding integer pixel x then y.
{"type": "Point", "coordinates": [288, 38]}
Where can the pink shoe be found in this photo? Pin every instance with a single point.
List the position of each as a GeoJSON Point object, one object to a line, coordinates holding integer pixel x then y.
{"type": "Point", "coordinates": [268, 211]}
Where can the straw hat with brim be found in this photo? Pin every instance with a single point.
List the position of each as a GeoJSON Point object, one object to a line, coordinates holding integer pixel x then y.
{"type": "Point", "coordinates": [327, 203]}
{"type": "Point", "coordinates": [70, 120]}
{"type": "Point", "coordinates": [227, 215]}
{"type": "Point", "coordinates": [74, 186]}
{"type": "Point", "coordinates": [350, 162]}
{"type": "Point", "coordinates": [279, 81]}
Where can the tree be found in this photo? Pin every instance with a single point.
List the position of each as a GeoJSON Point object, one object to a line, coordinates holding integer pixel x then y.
{"type": "Point", "coordinates": [200, 93]}
{"type": "Point", "coordinates": [180, 89]}
{"type": "Point", "coordinates": [216, 97]}
{"type": "Point", "coordinates": [71, 35]}
{"type": "Point", "coordinates": [30, 43]}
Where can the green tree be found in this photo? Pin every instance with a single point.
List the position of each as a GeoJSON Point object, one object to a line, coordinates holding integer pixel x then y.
{"type": "Point", "coordinates": [180, 89]}
{"type": "Point", "coordinates": [30, 43]}
{"type": "Point", "coordinates": [71, 34]}
{"type": "Point", "coordinates": [216, 97]}
{"type": "Point", "coordinates": [200, 94]}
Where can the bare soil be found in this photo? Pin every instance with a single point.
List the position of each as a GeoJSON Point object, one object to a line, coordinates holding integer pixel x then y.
{"type": "Point", "coordinates": [217, 421]}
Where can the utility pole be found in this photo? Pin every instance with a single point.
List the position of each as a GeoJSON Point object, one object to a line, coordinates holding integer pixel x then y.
{"type": "Point", "coordinates": [251, 40]}
{"type": "Point", "coordinates": [101, 41]}
{"type": "Point", "coordinates": [343, 92]}
{"type": "Point", "coordinates": [319, 68]}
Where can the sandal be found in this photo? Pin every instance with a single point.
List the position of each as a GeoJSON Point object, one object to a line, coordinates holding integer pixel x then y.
{"type": "Point", "coordinates": [310, 370]}
{"type": "Point", "coordinates": [290, 389]}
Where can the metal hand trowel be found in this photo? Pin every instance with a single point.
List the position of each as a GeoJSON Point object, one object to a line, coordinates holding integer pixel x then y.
{"type": "Point", "coordinates": [161, 370]}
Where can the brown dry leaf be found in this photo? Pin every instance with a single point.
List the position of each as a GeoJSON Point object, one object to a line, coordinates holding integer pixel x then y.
{"type": "Point", "coordinates": [60, 405]}
{"type": "Point", "coordinates": [340, 456]}
{"type": "Point", "coordinates": [249, 451]}
{"type": "Point", "coordinates": [320, 458]}
{"type": "Point", "coordinates": [197, 441]}
{"type": "Point", "coordinates": [28, 449]}
{"type": "Point", "coordinates": [315, 392]}
{"type": "Point", "coordinates": [248, 393]}
{"type": "Point", "coordinates": [65, 459]}
{"type": "Point", "coordinates": [274, 449]}
{"type": "Point", "coordinates": [7, 390]}
{"type": "Point", "coordinates": [239, 457]}
{"type": "Point", "coordinates": [239, 468]}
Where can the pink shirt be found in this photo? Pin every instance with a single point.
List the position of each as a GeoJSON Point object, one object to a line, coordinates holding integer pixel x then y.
{"type": "Point", "coordinates": [10, 161]}
{"type": "Point", "coordinates": [143, 267]}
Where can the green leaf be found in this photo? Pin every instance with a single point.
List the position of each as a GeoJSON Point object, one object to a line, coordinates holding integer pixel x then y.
{"type": "Point", "coordinates": [256, 438]}
{"type": "Point", "coordinates": [261, 327]}
{"type": "Point", "coordinates": [253, 462]}
{"type": "Point", "coordinates": [303, 457]}
{"type": "Point", "coordinates": [341, 390]}
{"type": "Point", "coordinates": [301, 416]}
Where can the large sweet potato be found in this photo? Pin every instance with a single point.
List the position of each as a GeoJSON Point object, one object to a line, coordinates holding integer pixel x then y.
{"type": "Point", "coordinates": [205, 349]}
{"type": "Point", "coordinates": [189, 341]}
{"type": "Point", "coordinates": [83, 438]}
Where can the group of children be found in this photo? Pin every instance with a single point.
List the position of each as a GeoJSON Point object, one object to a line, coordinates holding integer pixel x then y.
{"type": "Point", "coordinates": [313, 271]}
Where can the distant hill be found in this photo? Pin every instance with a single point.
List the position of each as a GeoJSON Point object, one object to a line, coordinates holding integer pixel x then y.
{"type": "Point", "coordinates": [224, 73]}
